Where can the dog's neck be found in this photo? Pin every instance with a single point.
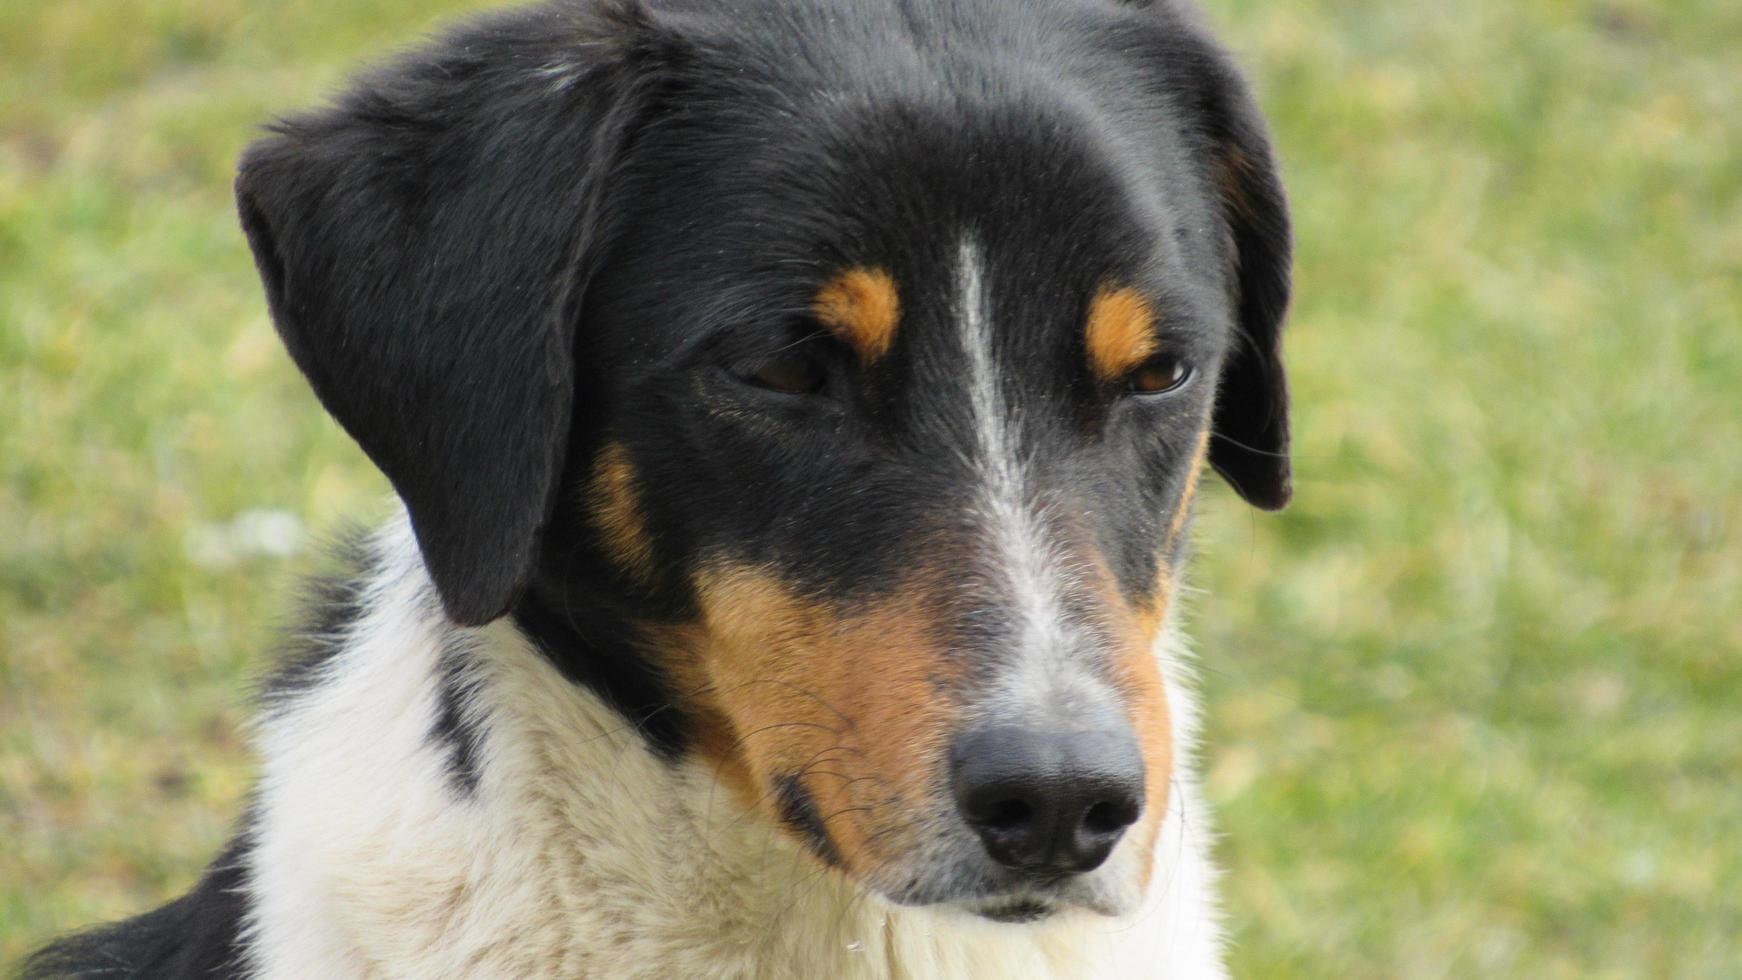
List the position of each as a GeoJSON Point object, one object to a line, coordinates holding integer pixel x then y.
{"type": "Point", "coordinates": [445, 802]}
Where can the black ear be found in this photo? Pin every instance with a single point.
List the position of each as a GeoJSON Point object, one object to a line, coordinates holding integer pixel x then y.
{"type": "Point", "coordinates": [423, 244]}
{"type": "Point", "coordinates": [1249, 446]}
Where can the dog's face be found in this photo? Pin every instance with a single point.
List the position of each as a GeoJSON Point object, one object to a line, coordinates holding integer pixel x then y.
{"type": "Point", "coordinates": [861, 414]}
{"type": "Point", "coordinates": [916, 461]}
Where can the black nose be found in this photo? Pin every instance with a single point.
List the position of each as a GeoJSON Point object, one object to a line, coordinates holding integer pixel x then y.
{"type": "Point", "coordinates": [1048, 803]}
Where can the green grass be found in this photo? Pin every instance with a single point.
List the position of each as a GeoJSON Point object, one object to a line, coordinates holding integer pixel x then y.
{"type": "Point", "coordinates": [1475, 700]}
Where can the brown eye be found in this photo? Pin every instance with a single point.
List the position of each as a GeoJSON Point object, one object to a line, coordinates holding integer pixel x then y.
{"type": "Point", "coordinates": [1159, 375]}
{"type": "Point", "coordinates": [792, 372]}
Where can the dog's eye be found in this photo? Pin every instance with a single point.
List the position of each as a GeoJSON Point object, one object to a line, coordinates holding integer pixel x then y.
{"type": "Point", "coordinates": [1159, 375]}
{"type": "Point", "coordinates": [793, 372]}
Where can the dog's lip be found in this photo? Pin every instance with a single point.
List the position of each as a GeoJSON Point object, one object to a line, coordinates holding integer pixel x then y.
{"type": "Point", "coordinates": [1029, 904]}
{"type": "Point", "coordinates": [1015, 911]}
{"type": "Point", "coordinates": [1010, 898]}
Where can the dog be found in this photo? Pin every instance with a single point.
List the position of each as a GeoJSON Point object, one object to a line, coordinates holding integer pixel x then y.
{"type": "Point", "coordinates": [796, 408]}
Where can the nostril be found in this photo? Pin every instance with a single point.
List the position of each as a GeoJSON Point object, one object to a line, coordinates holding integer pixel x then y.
{"type": "Point", "coordinates": [1006, 815]}
{"type": "Point", "coordinates": [1108, 817]}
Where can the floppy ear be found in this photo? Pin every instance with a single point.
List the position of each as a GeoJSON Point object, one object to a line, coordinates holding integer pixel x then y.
{"type": "Point", "coordinates": [423, 244]}
{"type": "Point", "coordinates": [1250, 428]}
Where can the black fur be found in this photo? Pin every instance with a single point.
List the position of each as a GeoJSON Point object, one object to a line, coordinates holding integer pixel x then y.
{"type": "Point", "coordinates": [330, 605]}
{"type": "Point", "coordinates": [197, 935]}
{"type": "Point", "coordinates": [799, 810]}
{"type": "Point", "coordinates": [423, 244]}
{"type": "Point", "coordinates": [458, 728]}
{"type": "Point", "coordinates": [593, 650]}
{"type": "Point", "coordinates": [1251, 430]}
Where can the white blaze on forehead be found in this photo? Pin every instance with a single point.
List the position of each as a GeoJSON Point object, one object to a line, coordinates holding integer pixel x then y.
{"type": "Point", "coordinates": [1041, 673]}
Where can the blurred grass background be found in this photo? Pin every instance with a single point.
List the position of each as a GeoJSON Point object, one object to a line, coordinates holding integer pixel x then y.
{"type": "Point", "coordinates": [1475, 700]}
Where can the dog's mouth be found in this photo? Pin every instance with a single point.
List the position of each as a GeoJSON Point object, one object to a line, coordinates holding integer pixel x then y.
{"type": "Point", "coordinates": [1016, 911]}
{"type": "Point", "coordinates": [1027, 906]}
{"type": "Point", "coordinates": [1032, 902]}
{"type": "Point", "coordinates": [996, 895]}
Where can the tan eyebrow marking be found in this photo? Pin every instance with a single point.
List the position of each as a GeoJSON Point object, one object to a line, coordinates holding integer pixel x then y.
{"type": "Point", "coordinates": [1120, 333]}
{"type": "Point", "coordinates": [861, 306]}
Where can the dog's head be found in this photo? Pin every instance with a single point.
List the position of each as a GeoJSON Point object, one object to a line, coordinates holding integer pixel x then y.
{"type": "Point", "coordinates": [846, 379]}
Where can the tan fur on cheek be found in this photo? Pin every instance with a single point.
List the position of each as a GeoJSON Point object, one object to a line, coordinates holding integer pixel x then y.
{"type": "Point", "coordinates": [1136, 674]}
{"type": "Point", "coordinates": [853, 702]}
{"type": "Point", "coordinates": [1183, 508]}
{"type": "Point", "coordinates": [615, 512]}
{"type": "Point", "coordinates": [862, 307]}
{"type": "Point", "coordinates": [1152, 611]}
{"type": "Point", "coordinates": [1119, 333]}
